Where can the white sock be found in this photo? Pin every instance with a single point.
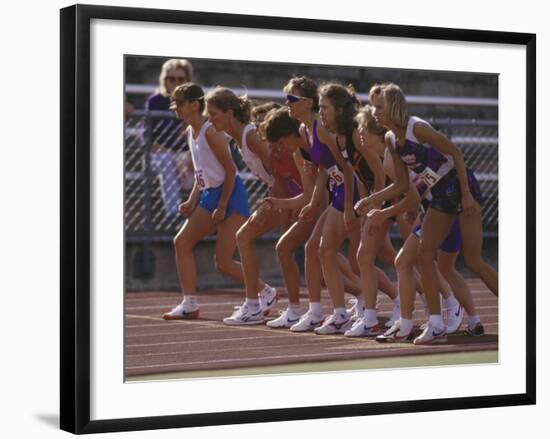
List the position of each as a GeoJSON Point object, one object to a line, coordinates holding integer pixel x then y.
{"type": "Point", "coordinates": [188, 298]}
{"type": "Point", "coordinates": [315, 308]}
{"type": "Point", "coordinates": [397, 301]}
{"type": "Point", "coordinates": [473, 321]}
{"type": "Point", "coordinates": [436, 320]}
{"type": "Point", "coordinates": [340, 311]}
{"type": "Point", "coordinates": [294, 308]}
{"type": "Point", "coordinates": [406, 326]}
{"type": "Point", "coordinates": [370, 316]}
{"type": "Point", "coordinates": [265, 289]}
{"type": "Point", "coordinates": [252, 303]}
{"type": "Point", "coordinates": [451, 302]}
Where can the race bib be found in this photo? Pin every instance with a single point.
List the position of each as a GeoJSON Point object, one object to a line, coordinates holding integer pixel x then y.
{"type": "Point", "coordinates": [335, 176]}
{"type": "Point", "coordinates": [200, 179]}
{"type": "Point", "coordinates": [425, 180]}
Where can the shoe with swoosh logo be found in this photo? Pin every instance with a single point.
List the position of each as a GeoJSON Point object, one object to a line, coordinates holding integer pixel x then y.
{"type": "Point", "coordinates": [394, 335]}
{"type": "Point", "coordinates": [335, 324]}
{"type": "Point", "coordinates": [268, 297]}
{"type": "Point", "coordinates": [286, 319]}
{"type": "Point", "coordinates": [308, 322]}
{"type": "Point", "coordinates": [431, 335]}
{"type": "Point", "coordinates": [361, 328]}
{"type": "Point", "coordinates": [184, 311]}
{"type": "Point", "coordinates": [245, 316]}
{"type": "Point", "coordinates": [454, 318]}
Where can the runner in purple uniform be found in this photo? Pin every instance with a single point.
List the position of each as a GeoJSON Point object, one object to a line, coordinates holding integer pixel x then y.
{"type": "Point", "coordinates": [440, 166]}
{"type": "Point", "coordinates": [302, 104]}
{"type": "Point", "coordinates": [338, 107]}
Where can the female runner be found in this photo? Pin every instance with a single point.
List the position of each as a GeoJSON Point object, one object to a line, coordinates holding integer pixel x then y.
{"type": "Point", "coordinates": [230, 113]}
{"type": "Point", "coordinates": [455, 192]}
{"type": "Point", "coordinates": [218, 202]}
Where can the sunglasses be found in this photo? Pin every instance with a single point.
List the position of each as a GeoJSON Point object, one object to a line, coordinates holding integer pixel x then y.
{"type": "Point", "coordinates": [294, 98]}
{"type": "Point", "coordinates": [176, 78]}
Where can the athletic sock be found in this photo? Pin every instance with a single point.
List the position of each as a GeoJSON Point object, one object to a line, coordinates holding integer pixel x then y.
{"type": "Point", "coordinates": [436, 321]}
{"type": "Point", "coordinates": [265, 289]}
{"type": "Point", "coordinates": [340, 311]}
{"type": "Point", "coordinates": [253, 304]}
{"type": "Point", "coordinates": [294, 308]}
{"type": "Point", "coordinates": [406, 326]}
{"type": "Point", "coordinates": [191, 299]}
{"type": "Point", "coordinates": [370, 317]}
{"type": "Point", "coordinates": [315, 308]}
{"type": "Point", "coordinates": [451, 302]}
{"type": "Point", "coordinates": [473, 321]}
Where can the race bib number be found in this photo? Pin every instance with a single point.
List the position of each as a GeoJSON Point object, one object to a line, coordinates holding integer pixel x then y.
{"type": "Point", "coordinates": [200, 179]}
{"type": "Point", "coordinates": [425, 180]}
{"type": "Point", "coordinates": [335, 176]}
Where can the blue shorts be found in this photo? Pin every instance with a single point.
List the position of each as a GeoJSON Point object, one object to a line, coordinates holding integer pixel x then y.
{"type": "Point", "coordinates": [338, 195]}
{"type": "Point", "coordinates": [238, 202]}
{"type": "Point", "coordinates": [446, 196]}
{"type": "Point", "coordinates": [452, 242]}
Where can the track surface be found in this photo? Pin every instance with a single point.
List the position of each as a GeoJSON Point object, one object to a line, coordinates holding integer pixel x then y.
{"type": "Point", "coordinates": [155, 346]}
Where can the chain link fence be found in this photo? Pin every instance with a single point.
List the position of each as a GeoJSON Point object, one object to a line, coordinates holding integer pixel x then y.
{"type": "Point", "coordinates": [159, 171]}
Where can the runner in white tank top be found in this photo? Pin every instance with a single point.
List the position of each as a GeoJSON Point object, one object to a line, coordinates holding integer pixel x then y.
{"type": "Point", "coordinates": [252, 160]}
{"type": "Point", "coordinates": [218, 202]}
{"type": "Point", "coordinates": [208, 170]}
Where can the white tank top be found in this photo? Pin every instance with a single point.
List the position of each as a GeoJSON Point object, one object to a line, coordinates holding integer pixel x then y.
{"type": "Point", "coordinates": [254, 162]}
{"type": "Point", "coordinates": [209, 172]}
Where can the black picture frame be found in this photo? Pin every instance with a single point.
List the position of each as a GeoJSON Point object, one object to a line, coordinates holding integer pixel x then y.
{"type": "Point", "coordinates": [75, 217]}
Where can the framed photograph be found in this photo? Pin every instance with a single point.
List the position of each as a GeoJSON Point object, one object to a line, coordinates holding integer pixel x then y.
{"type": "Point", "coordinates": [133, 359]}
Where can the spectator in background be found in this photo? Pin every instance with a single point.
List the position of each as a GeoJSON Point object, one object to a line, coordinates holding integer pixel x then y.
{"type": "Point", "coordinates": [170, 157]}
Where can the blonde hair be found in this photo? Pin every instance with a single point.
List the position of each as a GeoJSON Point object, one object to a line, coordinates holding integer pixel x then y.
{"type": "Point", "coordinates": [226, 100]}
{"type": "Point", "coordinates": [396, 105]}
{"type": "Point", "coordinates": [365, 118]}
{"type": "Point", "coordinates": [173, 64]}
{"type": "Point", "coordinates": [376, 90]}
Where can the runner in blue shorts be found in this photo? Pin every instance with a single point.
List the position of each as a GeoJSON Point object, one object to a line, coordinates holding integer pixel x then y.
{"type": "Point", "coordinates": [218, 202]}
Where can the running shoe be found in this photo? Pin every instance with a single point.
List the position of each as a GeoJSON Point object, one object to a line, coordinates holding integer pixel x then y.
{"type": "Point", "coordinates": [184, 311]}
{"type": "Point", "coordinates": [477, 331]}
{"type": "Point", "coordinates": [286, 319]}
{"type": "Point", "coordinates": [335, 324]}
{"type": "Point", "coordinates": [308, 322]}
{"type": "Point", "coordinates": [245, 316]}
{"type": "Point", "coordinates": [394, 335]}
{"type": "Point", "coordinates": [454, 318]}
{"type": "Point", "coordinates": [361, 329]}
{"type": "Point", "coordinates": [431, 335]}
{"type": "Point", "coordinates": [395, 314]}
{"type": "Point", "coordinates": [268, 297]}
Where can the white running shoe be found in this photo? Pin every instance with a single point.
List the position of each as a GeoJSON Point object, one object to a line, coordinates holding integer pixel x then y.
{"type": "Point", "coordinates": [286, 319]}
{"type": "Point", "coordinates": [185, 310]}
{"type": "Point", "coordinates": [361, 329]}
{"type": "Point", "coordinates": [394, 335]}
{"type": "Point", "coordinates": [308, 322]}
{"type": "Point", "coordinates": [245, 316]}
{"type": "Point", "coordinates": [454, 318]}
{"type": "Point", "coordinates": [335, 324]}
{"type": "Point", "coordinates": [357, 310]}
{"type": "Point", "coordinates": [268, 297]}
{"type": "Point", "coordinates": [431, 335]}
{"type": "Point", "coordinates": [395, 314]}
